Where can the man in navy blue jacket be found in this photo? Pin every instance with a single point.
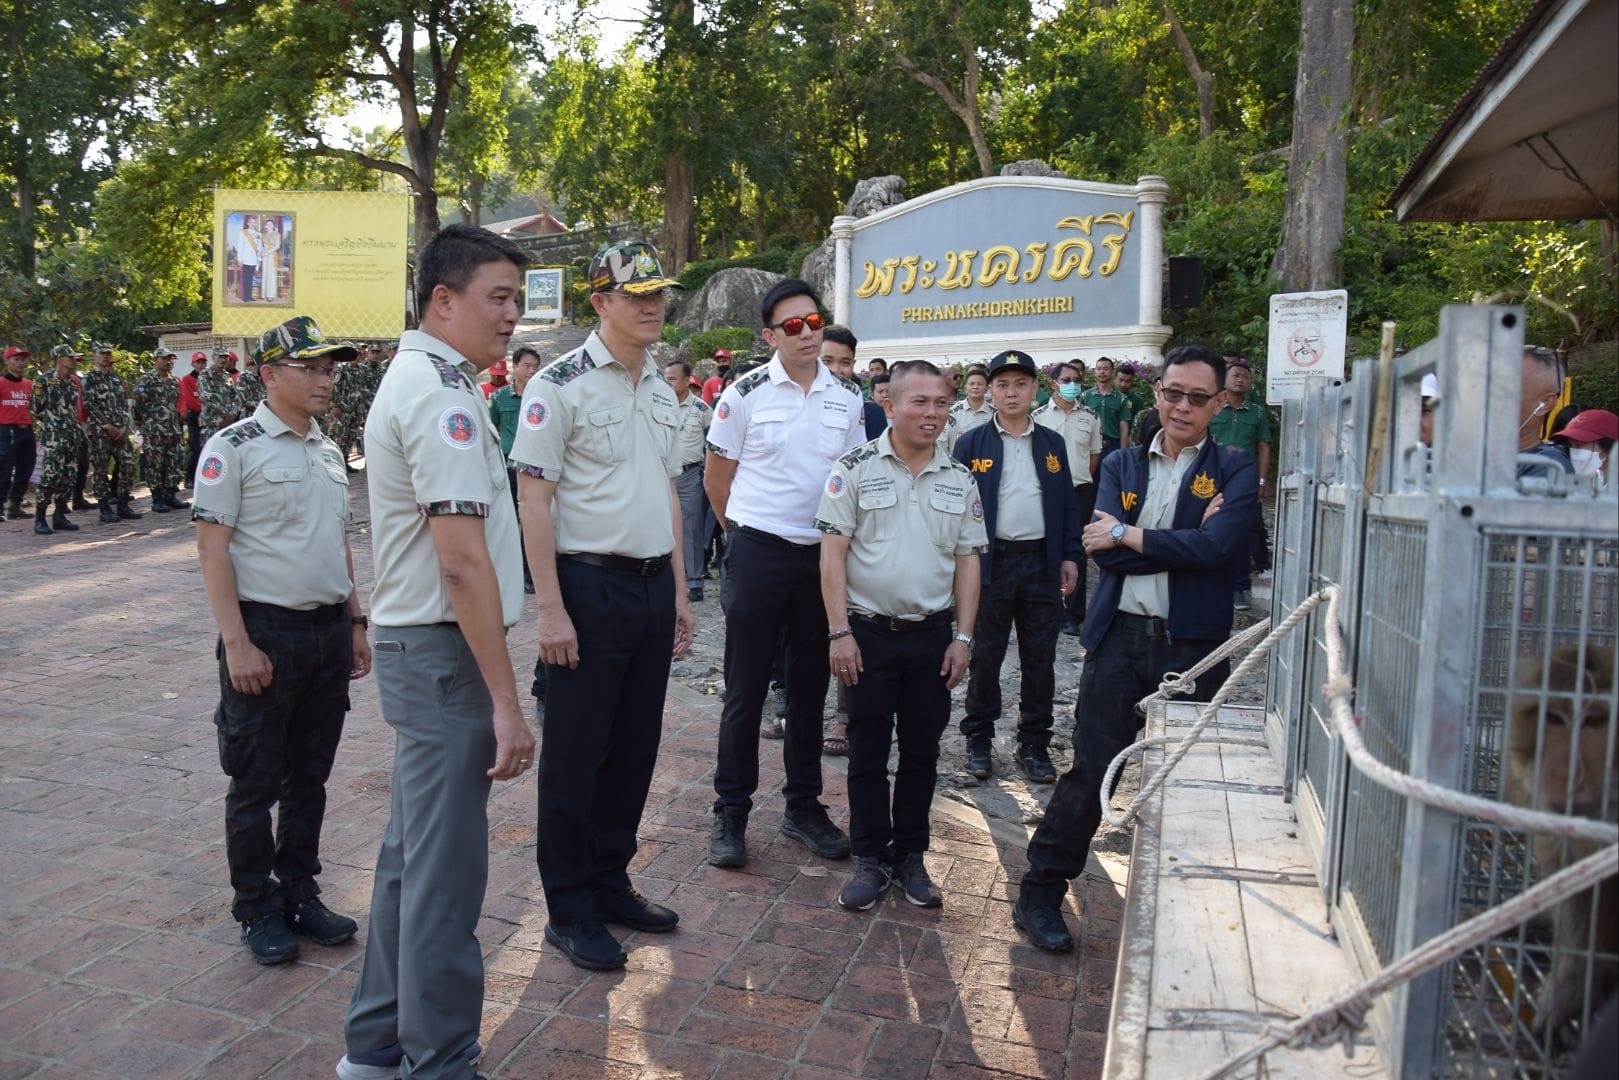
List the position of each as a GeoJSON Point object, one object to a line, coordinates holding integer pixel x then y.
{"type": "Point", "coordinates": [1032, 517]}
{"type": "Point", "coordinates": [1169, 517]}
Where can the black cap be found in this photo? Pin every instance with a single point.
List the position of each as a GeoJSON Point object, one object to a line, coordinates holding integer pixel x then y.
{"type": "Point", "coordinates": [1238, 361]}
{"type": "Point", "coordinates": [1011, 358]}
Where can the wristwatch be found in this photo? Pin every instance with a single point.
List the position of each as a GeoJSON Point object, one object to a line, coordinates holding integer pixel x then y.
{"type": "Point", "coordinates": [1118, 531]}
{"type": "Point", "coordinates": [359, 620]}
{"type": "Point", "coordinates": [965, 639]}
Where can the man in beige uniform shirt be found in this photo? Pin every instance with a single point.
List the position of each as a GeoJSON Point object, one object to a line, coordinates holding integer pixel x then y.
{"type": "Point", "coordinates": [694, 420]}
{"type": "Point", "coordinates": [598, 451]}
{"type": "Point", "coordinates": [271, 504]}
{"type": "Point", "coordinates": [903, 527]}
{"type": "Point", "coordinates": [449, 583]}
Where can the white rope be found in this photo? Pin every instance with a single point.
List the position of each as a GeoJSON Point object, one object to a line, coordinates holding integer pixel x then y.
{"type": "Point", "coordinates": [1342, 1016]}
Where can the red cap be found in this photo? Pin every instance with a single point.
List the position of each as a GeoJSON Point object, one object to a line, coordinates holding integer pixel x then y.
{"type": "Point", "coordinates": [198, 356]}
{"type": "Point", "coordinates": [720, 354]}
{"type": "Point", "coordinates": [1591, 425]}
{"type": "Point", "coordinates": [233, 357]}
{"type": "Point", "coordinates": [16, 350]}
{"type": "Point", "coordinates": [498, 368]}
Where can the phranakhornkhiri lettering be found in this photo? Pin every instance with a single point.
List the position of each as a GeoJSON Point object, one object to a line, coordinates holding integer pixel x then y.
{"type": "Point", "coordinates": [989, 309]}
{"type": "Point", "coordinates": [1004, 264]}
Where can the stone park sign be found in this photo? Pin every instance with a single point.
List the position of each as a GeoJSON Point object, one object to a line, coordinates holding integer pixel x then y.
{"type": "Point", "coordinates": [1058, 268]}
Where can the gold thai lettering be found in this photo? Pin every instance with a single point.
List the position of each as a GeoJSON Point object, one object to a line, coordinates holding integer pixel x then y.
{"type": "Point", "coordinates": [1115, 245]}
{"type": "Point", "coordinates": [958, 270]}
{"type": "Point", "coordinates": [1071, 255]}
{"type": "Point", "coordinates": [909, 262]}
{"type": "Point", "coordinates": [1000, 261]}
{"type": "Point", "coordinates": [1037, 252]}
{"type": "Point", "coordinates": [879, 280]}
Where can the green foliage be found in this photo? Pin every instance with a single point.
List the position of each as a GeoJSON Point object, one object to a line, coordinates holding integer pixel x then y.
{"type": "Point", "coordinates": [1595, 372]}
{"type": "Point", "coordinates": [72, 298]}
{"type": "Point", "coordinates": [674, 333]}
{"type": "Point", "coordinates": [694, 276]}
{"type": "Point", "coordinates": [703, 343]}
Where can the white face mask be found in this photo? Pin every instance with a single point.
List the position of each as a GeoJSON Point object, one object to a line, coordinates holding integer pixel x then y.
{"type": "Point", "coordinates": [1586, 462]}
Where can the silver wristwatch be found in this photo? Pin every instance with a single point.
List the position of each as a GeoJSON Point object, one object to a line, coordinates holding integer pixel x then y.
{"type": "Point", "coordinates": [965, 639]}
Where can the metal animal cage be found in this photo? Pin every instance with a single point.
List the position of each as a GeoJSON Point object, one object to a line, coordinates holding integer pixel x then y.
{"type": "Point", "coordinates": [1480, 614]}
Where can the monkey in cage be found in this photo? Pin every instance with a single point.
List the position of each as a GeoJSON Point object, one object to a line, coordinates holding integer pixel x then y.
{"type": "Point", "coordinates": [1568, 767]}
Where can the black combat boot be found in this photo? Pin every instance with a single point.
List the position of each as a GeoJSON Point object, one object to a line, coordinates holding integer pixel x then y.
{"type": "Point", "coordinates": [127, 512]}
{"type": "Point", "coordinates": [14, 510]}
{"type": "Point", "coordinates": [172, 497]}
{"type": "Point", "coordinates": [40, 525]}
{"type": "Point", "coordinates": [109, 516]}
{"type": "Point", "coordinates": [79, 501]}
{"type": "Point", "coordinates": [160, 501]}
{"type": "Point", "coordinates": [59, 520]}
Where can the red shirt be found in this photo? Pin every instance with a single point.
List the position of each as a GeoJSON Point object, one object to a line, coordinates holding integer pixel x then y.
{"type": "Point", "coordinates": [14, 400]}
{"type": "Point", "coordinates": [711, 389]}
{"type": "Point", "coordinates": [189, 401]}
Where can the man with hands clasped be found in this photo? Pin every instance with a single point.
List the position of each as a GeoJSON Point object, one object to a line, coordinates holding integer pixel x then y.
{"type": "Point", "coordinates": [902, 528]}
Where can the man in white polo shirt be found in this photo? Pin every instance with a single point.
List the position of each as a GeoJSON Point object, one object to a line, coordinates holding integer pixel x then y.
{"type": "Point", "coordinates": [775, 434]}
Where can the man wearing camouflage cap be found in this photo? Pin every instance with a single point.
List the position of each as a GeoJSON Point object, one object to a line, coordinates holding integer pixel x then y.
{"type": "Point", "coordinates": [271, 506]}
{"type": "Point", "coordinates": [157, 417]}
{"type": "Point", "coordinates": [217, 392]}
{"type": "Point", "coordinates": [56, 409]}
{"type": "Point", "coordinates": [598, 454]}
{"type": "Point", "coordinates": [107, 428]}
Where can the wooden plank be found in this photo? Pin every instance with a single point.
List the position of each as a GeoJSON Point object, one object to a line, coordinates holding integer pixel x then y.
{"type": "Point", "coordinates": [1189, 1053]}
{"type": "Point", "coordinates": [1201, 960]}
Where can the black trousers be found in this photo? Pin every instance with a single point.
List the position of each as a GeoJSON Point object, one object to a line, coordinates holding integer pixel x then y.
{"type": "Point", "coordinates": [1074, 606]}
{"type": "Point", "coordinates": [193, 445]}
{"type": "Point", "coordinates": [599, 739]}
{"type": "Point", "coordinates": [1023, 592]}
{"type": "Point", "coordinates": [278, 747]}
{"type": "Point", "coordinates": [16, 460]}
{"type": "Point", "coordinates": [771, 588]}
{"type": "Point", "coordinates": [1124, 668]}
{"type": "Point", "coordinates": [900, 692]}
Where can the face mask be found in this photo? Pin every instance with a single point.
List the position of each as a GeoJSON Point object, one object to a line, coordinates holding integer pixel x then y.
{"type": "Point", "coordinates": [1069, 391]}
{"type": "Point", "coordinates": [1586, 462]}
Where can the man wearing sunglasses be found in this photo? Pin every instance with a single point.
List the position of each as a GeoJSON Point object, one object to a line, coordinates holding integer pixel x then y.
{"type": "Point", "coordinates": [1169, 518]}
{"type": "Point", "coordinates": [776, 432]}
{"type": "Point", "coordinates": [271, 506]}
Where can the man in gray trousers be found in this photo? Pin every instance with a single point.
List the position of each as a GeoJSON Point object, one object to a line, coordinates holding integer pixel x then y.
{"type": "Point", "coordinates": [694, 420]}
{"type": "Point", "coordinates": [449, 582]}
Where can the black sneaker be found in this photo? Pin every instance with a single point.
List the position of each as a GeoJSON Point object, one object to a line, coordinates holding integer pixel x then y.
{"type": "Point", "coordinates": [587, 944]}
{"type": "Point", "coordinates": [978, 758]}
{"type": "Point", "coordinates": [694, 594]}
{"type": "Point", "coordinates": [315, 921]}
{"type": "Point", "coordinates": [728, 839]}
{"type": "Point", "coordinates": [1044, 925]}
{"type": "Point", "coordinates": [1072, 626]}
{"type": "Point", "coordinates": [268, 938]}
{"type": "Point", "coordinates": [913, 878]}
{"type": "Point", "coordinates": [1036, 764]}
{"type": "Point", "coordinates": [780, 695]}
{"type": "Point", "coordinates": [1242, 601]}
{"type": "Point", "coordinates": [635, 911]}
{"type": "Point", "coordinates": [871, 877]}
{"type": "Point", "coordinates": [814, 829]}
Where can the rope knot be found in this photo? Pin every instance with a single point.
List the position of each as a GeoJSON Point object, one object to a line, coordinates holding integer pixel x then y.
{"type": "Point", "coordinates": [1176, 683]}
{"type": "Point", "coordinates": [1339, 686]}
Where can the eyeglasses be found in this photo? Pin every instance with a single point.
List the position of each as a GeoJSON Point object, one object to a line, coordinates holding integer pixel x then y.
{"type": "Point", "coordinates": [795, 326]}
{"type": "Point", "coordinates": [1196, 397]}
{"type": "Point", "coordinates": [319, 371]}
{"type": "Point", "coordinates": [1067, 382]}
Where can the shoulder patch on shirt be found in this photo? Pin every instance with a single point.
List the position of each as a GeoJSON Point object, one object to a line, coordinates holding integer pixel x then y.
{"type": "Point", "coordinates": [750, 382]}
{"type": "Point", "coordinates": [246, 431]}
{"type": "Point", "coordinates": [536, 414]}
{"type": "Point", "coordinates": [568, 367]}
{"type": "Point", "coordinates": [858, 454]}
{"type": "Point", "coordinates": [724, 411]}
{"type": "Point", "coordinates": [212, 469]}
{"type": "Point", "coordinates": [457, 427]}
{"type": "Point", "coordinates": [834, 485]}
{"type": "Point", "coordinates": [449, 374]}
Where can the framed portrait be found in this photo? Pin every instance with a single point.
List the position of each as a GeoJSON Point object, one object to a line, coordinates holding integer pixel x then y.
{"type": "Point", "coordinates": [543, 293]}
{"type": "Point", "coordinates": [259, 258]}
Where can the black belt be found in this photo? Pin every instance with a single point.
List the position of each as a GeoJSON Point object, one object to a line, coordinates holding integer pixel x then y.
{"type": "Point", "coordinates": [927, 622]}
{"type": "Point", "coordinates": [621, 564]}
{"type": "Point", "coordinates": [1020, 547]}
{"type": "Point", "coordinates": [698, 464]}
{"type": "Point", "coordinates": [317, 616]}
{"type": "Point", "coordinates": [770, 537]}
{"type": "Point", "coordinates": [1147, 624]}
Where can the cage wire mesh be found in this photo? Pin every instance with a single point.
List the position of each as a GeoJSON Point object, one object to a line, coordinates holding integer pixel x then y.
{"type": "Point", "coordinates": [1541, 731]}
{"type": "Point", "coordinates": [1327, 564]}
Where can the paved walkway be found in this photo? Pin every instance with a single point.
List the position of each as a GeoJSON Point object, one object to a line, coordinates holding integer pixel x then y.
{"type": "Point", "coordinates": [118, 956]}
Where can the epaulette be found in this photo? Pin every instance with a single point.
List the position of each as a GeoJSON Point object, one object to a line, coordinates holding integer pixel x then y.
{"type": "Point", "coordinates": [858, 454]}
{"type": "Point", "coordinates": [750, 382]}
{"type": "Point", "coordinates": [449, 374]}
{"type": "Point", "coordinates": [568, 367]}
{"type": "Point", "coordinates": [956, 466]}
{"type": "Point", "coordinates": [241, 432]}
{"type": "Point", "coordinates": [848, 384]}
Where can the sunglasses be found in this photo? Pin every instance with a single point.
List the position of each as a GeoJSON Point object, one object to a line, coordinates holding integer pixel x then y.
{"type": "Point", "coordinates": [795, 326]}
{"type": "Point", "coordinates": [1175, 397]}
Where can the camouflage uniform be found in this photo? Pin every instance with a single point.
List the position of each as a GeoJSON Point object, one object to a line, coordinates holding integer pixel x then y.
{"type": "Point", "coordinates": [219, 401]}
{"type": "Point", "coordinates": [55, 407]}
{"type": "Point", "coordinates": [104, 402]}
{"type": "Point", "coordinates": [350, 400]}
{"type": "Point", "coordinates": [157, 416]}
{"type": "Point", "coordinates": [249, 392]}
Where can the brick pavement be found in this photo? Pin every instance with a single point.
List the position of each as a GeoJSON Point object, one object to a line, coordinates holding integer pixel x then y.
{"type": "Point", "coordinates": [118, 956]}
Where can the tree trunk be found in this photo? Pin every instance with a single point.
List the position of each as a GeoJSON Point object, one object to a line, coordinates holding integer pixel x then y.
{"type": "Point", "coordinates": [1200, 78]}
{"type": "Point", "coordinates": [679, 221]}
{"type": "Point", "coordinates": [475, 201]}
{"type": "Point", "coordinates": [26, 253]}
{"type": "Point", "coordinates": [1313, 221]}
